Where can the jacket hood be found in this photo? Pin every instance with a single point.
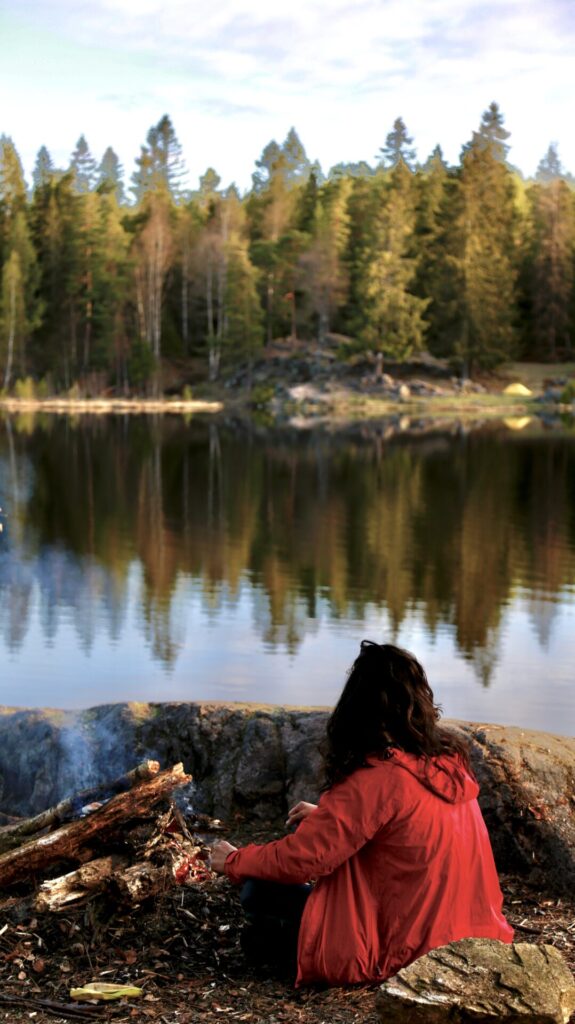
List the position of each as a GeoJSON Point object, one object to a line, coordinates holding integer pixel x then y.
{"type": "Point", "coordinates": [445, 775]}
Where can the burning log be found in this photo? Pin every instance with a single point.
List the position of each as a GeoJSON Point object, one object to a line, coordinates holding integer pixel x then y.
{"type": "Point", "coordinates": [14, 834]}
{"type": "Point", "coordinates": [73, 842]}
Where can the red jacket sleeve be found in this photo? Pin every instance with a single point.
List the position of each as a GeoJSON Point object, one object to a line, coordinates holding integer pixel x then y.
{"type": "Point", "coordinates": [347, 816]}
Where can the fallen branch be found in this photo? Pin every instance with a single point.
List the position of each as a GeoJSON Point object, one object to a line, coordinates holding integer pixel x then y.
{"type": "Point", "coordinates": [69, 842]}
{"type": "Point", "coordinates": [13, 835]}
{"type": "Point", "coordinates": [71, 1010]}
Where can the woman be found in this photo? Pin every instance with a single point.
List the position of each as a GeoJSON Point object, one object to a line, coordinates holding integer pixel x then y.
{"type": "Point", "coordinates": [397, 842]}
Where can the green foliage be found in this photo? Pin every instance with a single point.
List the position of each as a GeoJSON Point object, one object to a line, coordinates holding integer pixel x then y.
{"type": "Point", "coordinates": [261, 396]}
{"type": "Point", "coordinates": [468, 261]}
{"type": "Point", "coordinates": [25, 389]}
{"type": "Point", "coordinates": [141, 365]}
{"type": "Point", "coordinates": [568, 393]}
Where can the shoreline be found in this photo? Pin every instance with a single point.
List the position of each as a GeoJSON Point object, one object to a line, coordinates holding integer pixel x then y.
{"type": "Point", "coordinates": [102, 406]}
{"type": "Point", "coordinates": [338, 410]}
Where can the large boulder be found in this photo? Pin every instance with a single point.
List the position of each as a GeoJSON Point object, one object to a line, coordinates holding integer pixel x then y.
{"type": "Point", "coordinates": [477, 981]}
{"type": "Point", "coordinates": [257, 760]}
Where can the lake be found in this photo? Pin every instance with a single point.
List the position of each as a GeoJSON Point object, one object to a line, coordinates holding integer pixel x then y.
{"type": "Point", "coordinates": [150, 558]}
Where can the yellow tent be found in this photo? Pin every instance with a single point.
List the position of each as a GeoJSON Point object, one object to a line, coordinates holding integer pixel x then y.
{"type": "Point", "coordinates": [517, 389]}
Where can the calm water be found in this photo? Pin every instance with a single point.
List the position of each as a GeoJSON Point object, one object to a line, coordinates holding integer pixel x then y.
{"type": "Point", "coordinates": [149, 559]}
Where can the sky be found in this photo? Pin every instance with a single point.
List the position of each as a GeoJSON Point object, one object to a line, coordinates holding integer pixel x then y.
{"type": "Point", "coordinates": [233, 74]}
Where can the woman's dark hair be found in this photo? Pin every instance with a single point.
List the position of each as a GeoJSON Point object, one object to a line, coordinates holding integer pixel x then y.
{"type": "Point", "coordinates": [386, 702]}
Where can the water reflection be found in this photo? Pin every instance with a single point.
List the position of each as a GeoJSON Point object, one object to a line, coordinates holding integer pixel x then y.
{"type": "Point", "coordinates": [119, 527]}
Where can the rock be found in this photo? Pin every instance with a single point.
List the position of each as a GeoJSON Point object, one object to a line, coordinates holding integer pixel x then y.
{"type": "Point", "coordinates": [404, 393]}
{"type": "Point", "coordinates": [527, 782]}
{"type": "Point", "coordinates": [258, 759]}
{"type": "Point", "coordinates": [481, 980]}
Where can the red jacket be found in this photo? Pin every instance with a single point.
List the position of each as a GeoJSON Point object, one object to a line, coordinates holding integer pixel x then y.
{"type": "Point", "coordinates": [403, 864]}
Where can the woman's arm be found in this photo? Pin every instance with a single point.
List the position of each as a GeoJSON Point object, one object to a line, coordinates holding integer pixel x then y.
{"type": "Point", "coordinates": [347, 816]}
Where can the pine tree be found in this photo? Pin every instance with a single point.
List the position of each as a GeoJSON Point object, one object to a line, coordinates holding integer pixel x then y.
{"type": "Point", "coordinates": [350, 170]}
{"type": "Point", "coordinates": [397, 148]}
{"type": "Point", "coordinates": [549, 168]}
{"type": "Point", "coordinates": [270, 211]}
{"type": "Point", "coordinates": [160, 164]}
{"type": "Point", "coordinates": [492, 134]}
{"type": "Point", "coordinates": [83, 166]}
{"type": "Point", "coordinates": [296, 163]}
{"type": "Point", "coordinates": [110, 175]}
{"type": "Point", "coordinates": [209, 185]}
{"type": "Point", "coordinates": [56, 224]}
{"type": "Point", "coordinates": [433, 276]}
{"type": "Point", "coordinates": [362, 208]}
{"type": "Point", "coordinates": [551, 259]}
{"type": "Point", "coordinates": [325, 277]}
{"type": "Point", "coordinates": [243, 331]}
{"type": "Point", "coordinates": [307, 204]}
{"type": "Point", "coordinates": [481, 242]}
{"type": "Point", "coordinates": [267, 166]}
{"type": "Point", "coordinates": [43, 169]}
{"type": "Point", "coordinates": [19, 306]}
{"type": "Point", "coordinates": [395, 322]}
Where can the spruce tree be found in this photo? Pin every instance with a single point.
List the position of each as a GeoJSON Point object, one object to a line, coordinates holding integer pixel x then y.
{"type": "Point", "coordinates": [395, 322]}
{"type": "Point", "coordinates": [492, 134]}
{"type": "Point", "coordinates": [110, 175]}
{"type": "Point", "coordinates": [296, 163]}
{"type": "Point", "coordinates": [551, 257]}
{"type": "Point", "coordinates": [325, 276]}
{"type": "Point", "coordinates": [160, 165]}
{"type": "Point", "coordinates": [481, 242]}
{"type": "Point", "coordinates": [266, 166]}
{"type": "Point", "coordinates": [56, 224]}
{"type": "Point", "coordinates": [43, 169]}
{"type": "Point", "coordinates": [19, 306]}
{"type": "Point", "coordinates": [549, 168]}
{"type": "Point", "coordinates": [433, 276]}
{"type": "Point", "coordinates": [83, 166]}
{"type": "Point", "coordinates": [362, 207]}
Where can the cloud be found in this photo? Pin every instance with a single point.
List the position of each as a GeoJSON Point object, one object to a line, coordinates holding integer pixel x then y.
{"type": "Point", "coordinates": [340, 70]}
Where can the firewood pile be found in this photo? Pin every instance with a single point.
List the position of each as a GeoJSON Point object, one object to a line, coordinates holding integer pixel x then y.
{"type": "Point", "coordinates": [122, 847]}
{"type": "Point", "coordinates": [128, 838]}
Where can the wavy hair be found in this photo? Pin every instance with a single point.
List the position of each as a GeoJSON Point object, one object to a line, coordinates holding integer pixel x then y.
{"type": "Point", "coordinates": [386, 702]}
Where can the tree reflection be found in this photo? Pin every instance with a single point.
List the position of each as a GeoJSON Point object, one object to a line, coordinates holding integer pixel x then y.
{"type": "Point", "coordinates": [451, 526]}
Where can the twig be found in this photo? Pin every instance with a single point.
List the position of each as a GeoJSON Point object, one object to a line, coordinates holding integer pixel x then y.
{"type": "Point", "coordinates": [56, 1009]}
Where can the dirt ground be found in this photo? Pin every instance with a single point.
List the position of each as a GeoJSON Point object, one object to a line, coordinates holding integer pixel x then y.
{"type": "Point", "coordinates": [184, 952]}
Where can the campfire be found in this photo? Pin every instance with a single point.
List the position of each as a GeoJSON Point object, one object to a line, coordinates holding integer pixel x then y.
{"type": "Point", "coordinates": [125, 843]}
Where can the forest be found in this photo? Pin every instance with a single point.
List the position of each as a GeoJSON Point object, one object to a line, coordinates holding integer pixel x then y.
{"type": "Point", "coordinates": [102, 284]}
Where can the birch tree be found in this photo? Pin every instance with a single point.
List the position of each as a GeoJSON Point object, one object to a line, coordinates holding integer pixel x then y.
{"type": "Point", "coordinates": [152, 258]}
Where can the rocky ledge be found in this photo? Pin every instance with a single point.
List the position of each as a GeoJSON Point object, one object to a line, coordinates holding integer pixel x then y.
{"type": "Point", "coordinates": [254, 761]}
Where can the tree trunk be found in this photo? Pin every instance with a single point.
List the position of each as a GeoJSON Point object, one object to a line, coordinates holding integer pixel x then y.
{"type": "Point", "coordinates": [185, 296]}
{"type": "Point", "coordinates": [11, 334]}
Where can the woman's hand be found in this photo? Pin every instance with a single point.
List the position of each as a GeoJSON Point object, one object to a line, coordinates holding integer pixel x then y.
{"type": "Point", "coordinates": [218, 854]}
{"type": "Point", "coordinates": [299, 812]}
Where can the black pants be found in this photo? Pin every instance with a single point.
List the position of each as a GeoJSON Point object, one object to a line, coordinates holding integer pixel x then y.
{"type": "Point", "coordinates": [273, 913]}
